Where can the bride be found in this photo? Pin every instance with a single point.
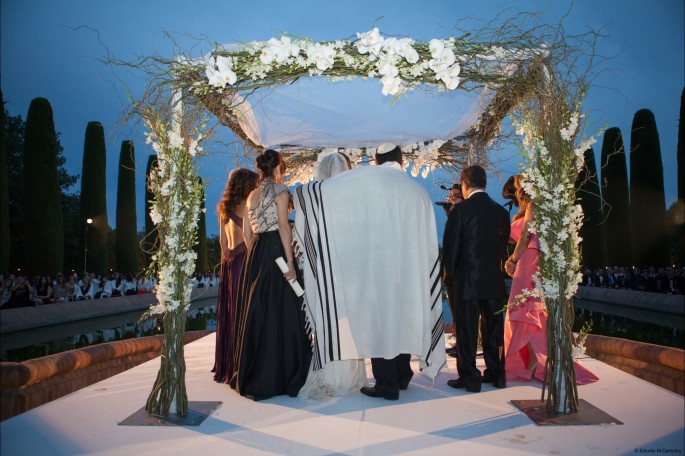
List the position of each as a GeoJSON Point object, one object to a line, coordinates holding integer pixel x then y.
{"type": "Point", "coordinates": [336, 378]}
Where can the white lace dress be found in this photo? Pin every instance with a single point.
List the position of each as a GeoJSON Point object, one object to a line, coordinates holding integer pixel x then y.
{"type": "Point", "coordinates": [337, 378]}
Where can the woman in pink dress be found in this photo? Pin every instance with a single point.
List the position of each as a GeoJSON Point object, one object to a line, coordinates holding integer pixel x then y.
{"type": "Point", "coordinates": [525, 325]}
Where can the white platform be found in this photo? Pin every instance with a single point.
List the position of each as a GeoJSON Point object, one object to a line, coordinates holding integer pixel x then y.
{"type": "Point", "coordinates": [435, 421]}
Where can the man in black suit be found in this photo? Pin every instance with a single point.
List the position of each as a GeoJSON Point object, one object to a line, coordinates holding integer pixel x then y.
{"type": "Point", "coordinates": [476, 236]}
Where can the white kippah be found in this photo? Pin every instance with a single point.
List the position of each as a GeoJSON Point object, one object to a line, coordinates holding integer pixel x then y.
{"type": "Point", "coordinates": [385, 148]}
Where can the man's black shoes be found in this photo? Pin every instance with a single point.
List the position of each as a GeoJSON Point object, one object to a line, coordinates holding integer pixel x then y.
{"type": "Point", "coordinates": [404, 382]}
{"type": "Point", "coordinates": [497, 381]}
{"type": "Point", "coordinates": [387, 393]}
{"type": "Point", "coordinates": [459, 383]}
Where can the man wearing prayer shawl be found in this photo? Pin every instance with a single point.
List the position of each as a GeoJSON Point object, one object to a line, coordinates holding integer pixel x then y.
{"type": "Point", "coordinates": [372, 272]}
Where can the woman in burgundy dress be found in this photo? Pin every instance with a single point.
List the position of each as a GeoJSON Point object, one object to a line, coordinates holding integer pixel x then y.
{"type": "Point", "coordinates": [231, 211]}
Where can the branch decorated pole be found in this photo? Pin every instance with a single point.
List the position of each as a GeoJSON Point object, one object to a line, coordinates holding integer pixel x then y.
{"type": "Point", "coordinates": [175, 211]}
{"type": "Point", "coordinates": [552, 162]}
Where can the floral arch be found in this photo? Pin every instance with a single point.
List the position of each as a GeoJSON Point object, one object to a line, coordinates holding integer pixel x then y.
{"type": "Point", "coordinates": [504, 70]}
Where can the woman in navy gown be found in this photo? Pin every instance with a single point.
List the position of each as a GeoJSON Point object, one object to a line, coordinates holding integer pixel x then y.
{"type": "Point", "coordinates": [273, 350]}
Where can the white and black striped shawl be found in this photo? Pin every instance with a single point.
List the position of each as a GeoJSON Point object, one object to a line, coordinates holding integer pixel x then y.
{"type": "Point", "coordinates": [371, 267]}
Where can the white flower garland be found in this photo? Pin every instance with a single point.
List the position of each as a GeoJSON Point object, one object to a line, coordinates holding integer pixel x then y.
{"type": "Point", "coordinates": [399, 63]}
{"type": "Point", "coordinates": [175, 212]}
{"type": "Point", "coordinates": [426, 159]}
{"type": "Point", "coordinates": [557, 216]}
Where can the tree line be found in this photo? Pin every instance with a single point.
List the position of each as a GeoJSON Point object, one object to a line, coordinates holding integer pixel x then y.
{"type": "Point", "coordinates": [626, 221]}
{"type": "Point", "coordinates": [46, 228]}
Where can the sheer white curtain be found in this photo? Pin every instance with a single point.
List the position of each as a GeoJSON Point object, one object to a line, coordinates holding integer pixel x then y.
{"type": "Point", "coordinates": [354, 113]}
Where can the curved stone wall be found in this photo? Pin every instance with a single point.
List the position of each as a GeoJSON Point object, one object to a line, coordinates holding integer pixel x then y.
{"type": "Point", "coordinates": [31, 383]}
{"type": "Point", "coordinates": [662, 366]}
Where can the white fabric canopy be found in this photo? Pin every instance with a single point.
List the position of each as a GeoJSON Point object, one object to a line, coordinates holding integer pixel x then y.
{"type": "Point", "coordinates": [315, 112]}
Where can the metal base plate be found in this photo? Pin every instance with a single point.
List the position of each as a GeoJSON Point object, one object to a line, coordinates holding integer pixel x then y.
{"type": "Point", "coordinates": [197, 412]}
{"type": "Point", "coordinates": [587, 414]}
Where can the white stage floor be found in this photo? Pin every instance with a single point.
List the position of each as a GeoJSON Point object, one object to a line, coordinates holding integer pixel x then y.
{"type": "Point", "coordinates": [425, 420]}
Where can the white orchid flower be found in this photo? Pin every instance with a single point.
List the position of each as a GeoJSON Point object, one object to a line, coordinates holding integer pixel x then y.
{"type": "Point", "coordinates": [389, 45]}
{"type": "Point", "coordinates": [453, 78]}
{"type": "Point", "coordinates": [387, 68]}
{"type": "Point", "coordinates": [225, 70]}
{"type": "Point", "coordinates": [436, 48]}
{"type": "Point", "coordinates": [267, 56]}
{"type": "Point", "coordinates": [410, 54]}
{"type": "Point", "coordinates": [370, 37]}
{"type": "Point", "coordinates": [280, 53]}
{"type": "Point", "coordinates": [214, 77]}
{"type": "Point", "coordinates": [370, 42]}
{"type": "Point", "coordinates": [399, 47]}
{"type": "Point", "coordinates": [223, 63]}
{"type": "Point", "coordinates": [282, 49]}
{"type": "Point", "coordinates": [320, 56]}
{"type": "Point", "coordinates": [329, 52]}
{"type": "Point", "coordinates": [391, 85]}
{"type": "Point", "coordinates": [447, 57]}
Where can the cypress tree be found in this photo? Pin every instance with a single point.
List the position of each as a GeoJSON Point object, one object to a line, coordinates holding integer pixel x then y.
{"type": "Point", "coordinates": [615, 195]}
{"type": "Point", "coordinates": [678, 247]}
{"type": "Point", "coordinates": [43, 227]}
{"type": "Point", "coordinates": [149, 241]}
{"type": "Point", "coordinates": [4, 196]}
{"type": "Point", "coordinates": [15, 127]}
{"type": "Point", "coordinates": [126, 235]}
{"type": "Point", "coordinates": [681, 149]}
{"type": "Point", "coordinates": [94, 198]}
{"type": "Point", "coordinates": [587, 191]}
{"type": "Point", "coordinates": [647, 200]}
{"type": "Point", "coordinates": [201, 246]}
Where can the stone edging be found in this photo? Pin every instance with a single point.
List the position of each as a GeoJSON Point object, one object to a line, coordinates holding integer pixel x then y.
{"type": "Point", "coordinates": [662, 366]}
{"type": "Point", "coordinates": [34, 382]}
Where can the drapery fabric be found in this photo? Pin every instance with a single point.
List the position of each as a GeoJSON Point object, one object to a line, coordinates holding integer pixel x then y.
{"type": "Point", "coordinates": [316, 112]}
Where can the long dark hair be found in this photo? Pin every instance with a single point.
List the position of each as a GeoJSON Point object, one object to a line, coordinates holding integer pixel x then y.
{"type": "Point", "coordinates": [522, 197]}
{"type": "Point", "coordinates": [269, 161]}
{"type": "Point", "coordinates": [240, 183]}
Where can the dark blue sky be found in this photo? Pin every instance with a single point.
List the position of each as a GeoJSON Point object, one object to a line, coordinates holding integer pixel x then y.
{"type": "Point", "coordinates": [43, 54]}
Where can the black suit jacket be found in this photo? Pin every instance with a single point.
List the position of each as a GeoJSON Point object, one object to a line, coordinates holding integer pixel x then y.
{"type": "Point", "coordinates": [475, 239]}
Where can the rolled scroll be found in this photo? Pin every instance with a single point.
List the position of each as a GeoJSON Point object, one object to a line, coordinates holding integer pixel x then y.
{"type": "Point", "coordinates": [283, 266]}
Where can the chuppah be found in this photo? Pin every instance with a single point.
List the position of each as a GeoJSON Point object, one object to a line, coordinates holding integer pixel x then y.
{"type": "Point", "coordinates": [503, 70]}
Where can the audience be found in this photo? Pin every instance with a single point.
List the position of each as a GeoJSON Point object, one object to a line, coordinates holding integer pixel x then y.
{"type": "Point", "coordinates": [42, 293]}
{"type": "Point", "coordinates": [20, 291]}
{"type": "Point", "coordinates": [653, 280]}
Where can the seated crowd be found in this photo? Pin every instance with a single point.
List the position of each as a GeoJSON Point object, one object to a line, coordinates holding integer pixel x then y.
{"type": "Point", "coordinates": [661, 280]}
{"type": "Point", "coordinates": [22, 291]}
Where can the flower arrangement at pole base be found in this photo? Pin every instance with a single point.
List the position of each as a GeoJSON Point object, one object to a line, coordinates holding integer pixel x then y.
{"type": "Point", "coordinates": [175, 210]}
{"type": "Point", "coordinates": [580, 338]}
